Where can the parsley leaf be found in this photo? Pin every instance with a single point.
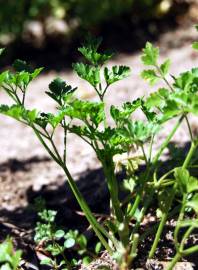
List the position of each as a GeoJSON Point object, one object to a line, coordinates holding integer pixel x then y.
{"type": "Point", "coordinates": [150, 55]}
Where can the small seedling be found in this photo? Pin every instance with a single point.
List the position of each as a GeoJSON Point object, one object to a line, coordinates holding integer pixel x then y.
{"type": "Point", "coordinates": [9, 258]}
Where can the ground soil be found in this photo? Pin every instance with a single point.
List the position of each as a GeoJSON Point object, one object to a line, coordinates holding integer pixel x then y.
{"type": "Point", "coordinates": [26, 170]}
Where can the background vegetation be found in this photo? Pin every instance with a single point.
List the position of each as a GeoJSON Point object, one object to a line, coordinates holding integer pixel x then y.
{"type": "Point", "coordinates": [43, 23]}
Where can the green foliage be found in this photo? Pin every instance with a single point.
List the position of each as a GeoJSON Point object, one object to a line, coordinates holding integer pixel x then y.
{"type": "Point", "coordinates": [150, 55]}
{"type": "Point", "coordinates": [125, 145]}
{"type": "Point", "coordinates": [165, 67]}
{"type": "Point", "coordinates": [117, 73]}
{"type": "Point", "coordinates": [150, 75]}
{"type": "Point", "coordinates": [91, 54]}
{"type": "Point", "coordinates": [9, 258]}
{"type": "Point", "coordinates": [59, 91]}
{"type": "Point", "coordinates": [120, 116]}
{"type": "Point", "coordinates": [88, 73]}
{"type": "Point", "coordinates": [186, 183]}
{"type": "Point", "coordinates": [58, 243]}
{"type": "Point", "coordinates": [87, 111]}
{"type": "Point", "coordinates": [195, 45]}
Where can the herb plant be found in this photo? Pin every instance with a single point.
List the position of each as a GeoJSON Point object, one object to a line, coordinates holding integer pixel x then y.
{"type": "Point", "coordinates": [115, 146]}
{"type": "Point", "coordinates": [64, 250]}
{"type": "Point", "coordinates": [9, 258]}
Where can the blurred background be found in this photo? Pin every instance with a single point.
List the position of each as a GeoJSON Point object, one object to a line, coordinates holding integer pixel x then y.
{"type": "Point", "coordinates": [45, 31]}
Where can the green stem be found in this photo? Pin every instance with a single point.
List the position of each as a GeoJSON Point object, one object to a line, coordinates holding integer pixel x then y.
{"type": "Point", "coordinates": [160, 181]}
{"type": "Point", "coordinates": [158, 235]}
{"type": "Point", "coordinates": [164, 217]}
{"type": "Point", "coordinates": [166, 142]}
{"type": "Point", "coordinates": [113, 189]}
{"type": "Point", "coordinates": [99, 230]}
{"type": "Point", "coordinates": [144, 154]}
{"type": "Point", "coordinates": [189, 155]}
{"type": "Point", "coordinates": [190, 250]}
{"type": "Point", "coordinates": [174, 261]}
{"type": "Point", "coordinates": [133, 253]}
{"type": "Point", "coordinates": [162, 223]}
{"type": "Point", "coordinates": [151, 230]}
{"type": "Point", "coordinates": [45, 145]}
{"type": "Point", "coordinates": [154, 161]}
{"type": "Point", "coordinates": [93, 222]}
{"type": "Point", "coordinates": [189, 128]}
{"type": "Point", "coordinates": [181, 215]}
{"type": "Point", "coordinates": [142, 213]}
{"type": "Point", "coordinates": [186, 235]}
{"type": "Point", "coordinates": [65, 141]}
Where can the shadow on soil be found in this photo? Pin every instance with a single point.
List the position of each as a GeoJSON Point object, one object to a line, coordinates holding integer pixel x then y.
{"type": "Point", "coordinates": [21, 222]}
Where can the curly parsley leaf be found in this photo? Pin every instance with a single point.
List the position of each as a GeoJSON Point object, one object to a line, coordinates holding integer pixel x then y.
{"type": "Point", "coordinates": [48, 118]}
{"type": "Point", "coordinates": [193, 203]}
{"type": "Point", "coordinates": [87, 111]}
{"type": "Point", "coordinates": [187, 81]}
{"type": "Point", "coordinates": [95, 57]}
{"type": "Point", "coordinates": [88, 73]}
{"type": "Point", "coordinates": [150, 55]}
{"type": "Point", "coordinates": [165, 67]}
{"type": "Point", "coordinates": [19, 113]}
{"type": "Point", "coordinates": [120, 115]}
{"type": "Point", "coordinates": [150, 75]}
{"type": "Point", "coordinates": [59, 90]}
{"type": "Point", "coordinates": [116, 73]}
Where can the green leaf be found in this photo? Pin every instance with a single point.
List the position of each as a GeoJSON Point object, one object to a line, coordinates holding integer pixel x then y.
{"type": "Point", "coordinates": [69, 243]}
{"type": "Point", "coordinates": [87, 111]}
{"type": "Point", "coordinates": [116, 73]}
{"type": "Point", "coordinates": [192, 184]}
{"type": "Point", "coordinates": [8, 255]}
{"type": "Point", "coordinates": [5, 77]}
{"type": "Point", "coordinates": [129, 184]}
{"type": "Point", "coordinates": [164, 199]}
{"type": "Point", "coordinates": [19, 113]}
{"type": "Point", "coordinates": [59, 234]}
{"type": "Point", "coordinates": [195, 45]}
{"type": "Point", "coordinates": [47, 215]}
{"type": "Point", "coordinates": [92, 43]}
{"type": "Point", "coordinates": [47, 261]}
{"type": "Point", "coordinates": [2, 50]}
{"type": "Point", "coordinates": [35, 73]}
{"type": "Point", "coordinates": [88, 73]}
{"type": "Point", "coordinates": [165, 67]}
{"type": "Point", "coordinates": [23, 66]}
{"type": "Point", "coordinates": [150, 55]}
{"type": "Point", "coordinates": [127, 109]}
{"type": "Point", "coordinates": [193, 203]}
{"type": "Point", "coordinates": [82, 241]}
{"type": "Point", "coordinates": [186, 182]}
{"type": "Point", "coordinates": [94, 57]}
{"type": "Point", "coordinates": [20, 65]}
{"type": "Point", "coordinates": [6, 266]}
{"type": "Point", "coordinates": [150, 75]}
{"type": "Point", "coordinates": [98, 248]}
{"type": "Point", "coordinates": [157, 99]}
{"type": "Point", "coordinates": [182, 177]}
{"type": "Point", "coordinates": [86, 260]}
{"type": "Point", "coordinates": [140, 131]}
{"type": "Point", "coordinates": [59, 90]}
{"type": "Point", "coordinates": [187, 81]}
